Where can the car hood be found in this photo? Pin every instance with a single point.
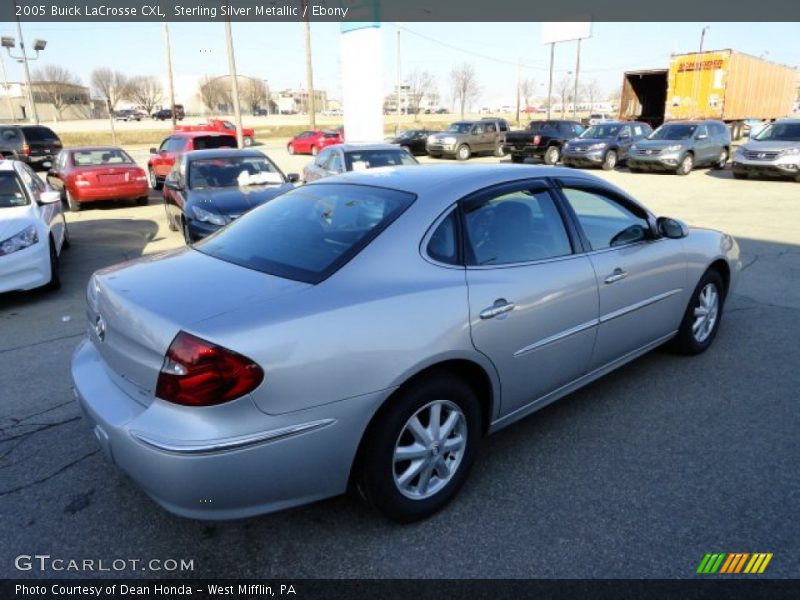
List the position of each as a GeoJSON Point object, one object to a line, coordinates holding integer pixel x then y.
{"type": "Point", "coordinates": [582, 142]}
{"type": "Point", "coordinates": [768, 146]}
{"type": "Point", "coordinates": [237, 200]}
{"type": "Point", "coordinates": [441, 136]}
{"type": "Point", "coordinates": [14, 219]}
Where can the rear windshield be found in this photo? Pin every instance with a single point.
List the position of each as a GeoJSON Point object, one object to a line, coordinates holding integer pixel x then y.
{"type": "Point", "coordinates": [779, 132]}
{"type": "Point", "coordinates": [230, 171]}
{"type": "Point", "coordinates": [370, 159]}
{"type": "Point", "coordinates": [214, 141]}
{"type": "Point", "coordinates": [11, 193]}
{"type": "Point", "coordinates": [39, 134]}
{"type": "Point", "coordinates": [308, 233]}
{"type": "Point", "coordinates": [543, 126]}
{"type": "Point", "coordinates": [100, 157]}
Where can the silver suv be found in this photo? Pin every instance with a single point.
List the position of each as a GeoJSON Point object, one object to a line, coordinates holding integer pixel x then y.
{"type": "Point", "coordinates": [679, 146]}
{"type": "Point", "coordinates": [774, 152]}
{"type": "Point", "coordinates": [465, 138]}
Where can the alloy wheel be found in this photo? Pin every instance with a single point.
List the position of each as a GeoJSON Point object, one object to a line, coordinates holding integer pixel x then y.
{"type": "Point", "coordinates": [705, 313]}
{"type": "Point", "coordinates": [429, 450]}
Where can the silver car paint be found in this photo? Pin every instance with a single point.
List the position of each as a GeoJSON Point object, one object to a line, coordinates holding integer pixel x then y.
{"type": "Point", "coordinates": [334, 352]}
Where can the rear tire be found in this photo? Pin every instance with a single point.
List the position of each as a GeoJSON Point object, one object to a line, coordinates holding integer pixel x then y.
{"type": "Point", "coordinates": [290, 149]}
{"type": "Point", "coordinates": [443, 453]}
{"type": "Point", "coordinates": [701, 319]}
{"type": "Point", "coordinates": [247, 141]}
{"type": "Point", "coordinates": [154, 183]}
{"type": "Point", "coordinates": [74, 205]}
{"type": "Point", "coordinates": [552, 155]}
{"type": "Point", "coordinates": [314, 151]}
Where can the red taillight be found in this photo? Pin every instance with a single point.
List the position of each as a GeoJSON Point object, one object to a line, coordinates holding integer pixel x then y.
{"type": "Point", "coordinates": [81, 180]}
{"type": "Point", "coordinates": [198, 373]}
{"type": "Point", "coordinates": [536, 140]}
{"type": "Point", "coordinates": [26, 150]}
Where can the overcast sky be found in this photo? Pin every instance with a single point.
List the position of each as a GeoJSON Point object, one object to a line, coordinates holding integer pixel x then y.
{"type": "Point", "coordinates": [274, 51]}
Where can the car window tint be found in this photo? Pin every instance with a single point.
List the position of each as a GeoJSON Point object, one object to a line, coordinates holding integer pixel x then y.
{"type": "Point", "coordinates": [39, 134]}
{"type": "Point", "coordinates": [370, 159]}
{"type": "Point", "coordinates": [605, 221]}
{"type": "Point", "coordinates": [11, 193]}
{"type": "Point", "coordinates": [443, 243]}
{"type": "Point", "coordinates": [10, 137]}
{"type": "Point", "coordinates": [518, 227]}
{"type": "Point", "coordinates": [100, 156]}
{"type": "Point", "coordinates": [309, 233]}
{"type": "Point", "coordinates": [214, 141]}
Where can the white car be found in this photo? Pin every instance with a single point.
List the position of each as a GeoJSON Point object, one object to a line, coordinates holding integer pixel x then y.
{"type": "Point", "coordinates": [33, 230]}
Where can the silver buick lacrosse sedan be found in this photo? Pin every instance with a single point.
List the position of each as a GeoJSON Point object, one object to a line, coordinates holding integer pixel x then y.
{"type": "Point", "coordinates": [369, 329]}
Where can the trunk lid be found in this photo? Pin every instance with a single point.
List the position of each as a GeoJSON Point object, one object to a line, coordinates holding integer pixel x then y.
{"type": "Point", "coordinates": [135, 309]}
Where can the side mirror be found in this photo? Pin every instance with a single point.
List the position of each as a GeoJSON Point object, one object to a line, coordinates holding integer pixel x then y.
{"type": "Point", "coordinates": [49, 197]}
{"type": "Point", "coordinates": [672, 228]}
{"type": "Point", "coordinates": [153, 150]}
{"type": "Point", "coordinates": [292, 177]}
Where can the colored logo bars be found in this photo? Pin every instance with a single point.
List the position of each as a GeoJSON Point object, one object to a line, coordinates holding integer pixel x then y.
{"type": "Point", "coordinates": [734, 562]}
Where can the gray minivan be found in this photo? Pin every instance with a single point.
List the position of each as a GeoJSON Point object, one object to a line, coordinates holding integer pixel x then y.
{"type": "Point", "coordinates": [680, 146]}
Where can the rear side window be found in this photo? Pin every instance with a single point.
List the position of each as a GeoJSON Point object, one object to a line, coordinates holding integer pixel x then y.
{"type": "Point", "coordinates": [214, 141]}
{"type": "Point", "coordinates": [370, 159]}
{"type": "Point", "coordinates": [39, 134]}
{"type": "Point", "coordinates": [9, 137]}
{"type": "Point", "coordinates": [443, 243]}
{"type": "Point", "coordinates": [309, 233]}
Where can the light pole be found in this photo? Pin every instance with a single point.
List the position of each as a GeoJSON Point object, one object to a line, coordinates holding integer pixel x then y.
{"type": "Point", "coordinates": [170, 79]}
{"type": "Point", "coordinates": [703, 37]}
{"type": "Point", "coordinates": [237, 113]}
{"type": "Point", "coordinates": [8, 43]}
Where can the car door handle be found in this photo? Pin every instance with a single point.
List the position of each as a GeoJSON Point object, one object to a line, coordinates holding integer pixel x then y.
{"type": "Point", "coordinates": [501, 305]}
{"type": "Point", "coordinates": [617, 275]}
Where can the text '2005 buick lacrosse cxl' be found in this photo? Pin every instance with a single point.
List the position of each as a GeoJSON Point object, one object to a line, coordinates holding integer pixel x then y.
{"type": "Point", "coordinates": [369, 329]}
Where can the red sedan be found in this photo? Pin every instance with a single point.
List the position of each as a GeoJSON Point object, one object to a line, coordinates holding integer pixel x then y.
{"type": "Point", "coordinates": [87, 174]}
{"type": "Point", "coordinates": [163, 158]}
{"type": "Point", "coordinates": [311, 142]}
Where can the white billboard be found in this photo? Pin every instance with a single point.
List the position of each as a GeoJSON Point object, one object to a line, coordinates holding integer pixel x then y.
{"type": "Point", "coordinates": [564, 32]}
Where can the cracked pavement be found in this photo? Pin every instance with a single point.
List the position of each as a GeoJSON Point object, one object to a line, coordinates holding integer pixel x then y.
{"type": "Point", "coordinates": [638, 475]}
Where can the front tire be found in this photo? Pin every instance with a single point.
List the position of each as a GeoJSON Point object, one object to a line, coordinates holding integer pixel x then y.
{"type": "Point", "coordinates": [609, 161]}
{"type": "Point", "coordinates": [463, 152]}
{"type": "Point", "coordinates": [552, 155]}
{"type": "Point", "coordinates": [686, 165]}
{"type": "Point", "coordinates": [418, 451]}
{"type": "Point", "coordinates": [701, 319]}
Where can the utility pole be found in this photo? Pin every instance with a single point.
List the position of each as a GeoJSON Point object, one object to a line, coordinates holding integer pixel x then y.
{"type": "Point", "coordinates": [237, 113]}
{"type": "Point", "coordinates": [312, 117]}
{"type": "Point", "coordinates": [170, 80]}
{"type": "Point", "coordinates": [7, 90]}
{"type": "Point", "coordinates": [575, 95]}
{"type": "Point", "coordinates": [550, 85]}
{"type": "Point", "coordinates": [519, 67]}
{"type": "Point", "coordinates": [34, 112]}
{"type": "Point", "coordinates": [399, 83]}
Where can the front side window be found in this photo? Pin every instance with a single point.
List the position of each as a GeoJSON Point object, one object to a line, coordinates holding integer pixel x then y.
{"type": "Point", "coordinates": [521, 226]}
{"type": "Point", "coordinates": [309, 233]}
{"type": "Point", "coordinates": [605, 221]}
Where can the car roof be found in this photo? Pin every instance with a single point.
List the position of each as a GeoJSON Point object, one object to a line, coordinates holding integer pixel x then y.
{"type": "Point", "coordinates": [222, 153]}
{"type": "Point", "coordinates": [7, 164]}
{"type": "Point", "coordinates": [421, 178]}
{"type": "Point", "coordinates": [194, 134]}
{"type": "Point", "coordinates": [359, 146]}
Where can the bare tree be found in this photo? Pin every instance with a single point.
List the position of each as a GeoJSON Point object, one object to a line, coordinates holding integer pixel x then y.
{"type": "Point", "coordinates": [110, 85]}
{"type": "Point", "coordinates": [465, 87]}
{"type": "Point", "coordinates": [421, 85]}
{"type": "Point", "coordinates": [254, 93]}
{"type": "Point", "coordinates": [614, 99]}
{"type": "Point", "coordinates": [592, 93]}
{"type": "Point", "coordinates": [564, 89]}
{"type": "Point", "coordinates": [59, 87]}
{"type": "Point", "coordinates": [527, 89]}
{"type": "Point", "coordinates": [212, 92]}
{"type": "Point", "coordinates": [146, 91]}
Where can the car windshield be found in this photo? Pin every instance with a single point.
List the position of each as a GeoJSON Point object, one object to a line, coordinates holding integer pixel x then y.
{"type": "Point", "coordinates": [99, 157]}
{"type": "Point", "coordinates": [459, 128]}
{"type": "Point", "coordinates": [601, 132]}
{"type": "Point", "coordinates": [308, 233]}
{"type": "Point", "coordinates": [11, 193]}
{"type": "Point", "coordinates": [779, 132]}
{"type": "Point", "coordinates": [370, 159]}
{"type": "Point", "coordinates": [673, 132]}
{"type": "Point", "coordinates": [231, 171]}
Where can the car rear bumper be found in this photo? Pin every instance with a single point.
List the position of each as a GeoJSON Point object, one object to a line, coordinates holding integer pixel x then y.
{"type": "Point", "coordinates": [224, 462]}
{"type": "Point", "coordinates": [127, 191]}
{"type": "Point", "coordinates": [25, 269]}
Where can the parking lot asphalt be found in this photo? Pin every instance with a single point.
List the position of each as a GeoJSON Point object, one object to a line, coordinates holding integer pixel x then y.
{"type": "Point", "coordinates": [637, 475]}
